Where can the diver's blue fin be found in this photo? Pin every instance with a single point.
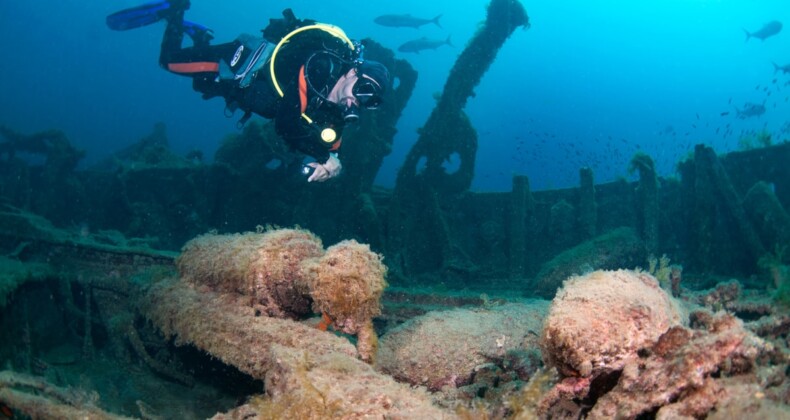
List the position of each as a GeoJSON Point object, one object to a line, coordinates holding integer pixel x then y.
{"type": "Point", "coordinates": [197, 31]}
{"type": "Point", "coordinates": [144, 14]}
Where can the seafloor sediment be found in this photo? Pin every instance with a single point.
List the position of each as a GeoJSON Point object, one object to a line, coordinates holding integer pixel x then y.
{"type": "Point", "coordinates": [103, 328]}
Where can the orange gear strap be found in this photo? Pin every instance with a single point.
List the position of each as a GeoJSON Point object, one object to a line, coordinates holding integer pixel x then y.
{"type": "Point", "coordinates": [302, 90]}
{"type": "Point", "coordinates": [196, 67]}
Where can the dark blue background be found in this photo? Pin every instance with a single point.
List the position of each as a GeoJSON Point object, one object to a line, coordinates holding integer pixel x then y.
{"type": "Point", "coordinates": [590, 83]}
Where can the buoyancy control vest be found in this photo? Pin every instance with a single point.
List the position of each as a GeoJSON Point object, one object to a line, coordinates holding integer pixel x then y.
{"type": "Point", "coordinates": [254, 71]}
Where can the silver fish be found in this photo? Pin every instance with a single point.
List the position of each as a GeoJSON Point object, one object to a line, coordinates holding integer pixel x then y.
{"type": "Point", "coordinates": [424, 43]}
{"type": "Point", "coordinates": [769, 29]}
{"type": "Point", "coordinates": [405, 21]}
{"type": "Point", "coordinates": [785, 69]}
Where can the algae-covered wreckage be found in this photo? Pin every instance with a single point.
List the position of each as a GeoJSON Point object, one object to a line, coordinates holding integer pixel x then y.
{"type": "Point", "coordinates": [158, 286]}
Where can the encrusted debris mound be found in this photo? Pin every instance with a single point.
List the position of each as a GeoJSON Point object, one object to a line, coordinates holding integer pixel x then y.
{"type": "Point", "coordinates": [600, 320]}
{"type": "Point", "coordinates": [285, 273]}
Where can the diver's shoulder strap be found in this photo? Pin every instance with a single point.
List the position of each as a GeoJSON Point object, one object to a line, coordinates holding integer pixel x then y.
{"type": "Point", "coordinates": [250, 56]}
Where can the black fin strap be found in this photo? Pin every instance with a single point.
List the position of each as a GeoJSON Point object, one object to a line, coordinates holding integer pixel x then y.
{"type": "Point", "coordinates": [246, 117]}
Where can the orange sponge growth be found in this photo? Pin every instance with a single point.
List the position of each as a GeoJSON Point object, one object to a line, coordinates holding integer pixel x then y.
{"type": "Point", "coordinates": [346, 284]}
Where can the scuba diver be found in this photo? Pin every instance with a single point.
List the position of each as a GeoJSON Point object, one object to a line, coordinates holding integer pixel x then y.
{"type": "Point", "coordinates": [309, 77]}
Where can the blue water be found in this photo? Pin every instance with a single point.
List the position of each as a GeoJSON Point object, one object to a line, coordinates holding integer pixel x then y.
{"type": "Point", "coordinates": [590, 83]}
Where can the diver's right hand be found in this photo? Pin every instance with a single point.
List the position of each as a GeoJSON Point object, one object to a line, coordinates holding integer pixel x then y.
{"type": "Point", "coordinates": [330, 169]}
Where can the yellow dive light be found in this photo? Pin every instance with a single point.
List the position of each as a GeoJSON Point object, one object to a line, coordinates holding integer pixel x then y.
{"type": "Point", "coordinates": [328, 135]}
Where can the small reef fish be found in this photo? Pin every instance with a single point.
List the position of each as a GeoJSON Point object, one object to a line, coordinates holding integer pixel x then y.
{"type": "Point", "coordinates": [405, 21]}
{"type": "Point", "coordinates": [750, 110]}
{"type": "Point", "coordinates": [769, 29]}
{"type": "Point", "coordinates": [785, 69]}
{"type": "Point", "coordinates": [417, 45]}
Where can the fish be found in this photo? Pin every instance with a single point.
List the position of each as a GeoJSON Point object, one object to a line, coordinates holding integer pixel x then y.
{"type": "Point", "coordinates": [424, 43]}
{"type": "Point", "coordinates": [667, 130]}
{"type": "Point", "coordinates": [785, 69]}
{"type": "Point", "coordinates": [750, 110]}
{"type": "Point", "coordinates": [769, 29]}
{"type": "Point", "coordinates": [405, 21]}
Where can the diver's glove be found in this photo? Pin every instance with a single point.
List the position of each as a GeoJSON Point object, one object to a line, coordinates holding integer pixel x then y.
{"type": "Point", "coordinates": [329, 169]}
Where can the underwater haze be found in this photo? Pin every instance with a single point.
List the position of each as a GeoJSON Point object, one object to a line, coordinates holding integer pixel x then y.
{"type": "Point", "coordinates": [589, 84]}
{"type": "Point", "coordinates": [614, 243]}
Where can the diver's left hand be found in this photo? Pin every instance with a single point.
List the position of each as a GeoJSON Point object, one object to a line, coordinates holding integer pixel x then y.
{"type": "Point", "coordinates": [330, 169]}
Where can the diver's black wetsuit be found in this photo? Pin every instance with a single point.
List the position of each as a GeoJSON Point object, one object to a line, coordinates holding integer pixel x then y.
{"type": "Point", "coordinates": [328, 57]}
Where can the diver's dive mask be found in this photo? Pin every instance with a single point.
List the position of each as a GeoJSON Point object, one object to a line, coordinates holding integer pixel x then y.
{"type": "Point", "coordinates": [367, 92]}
